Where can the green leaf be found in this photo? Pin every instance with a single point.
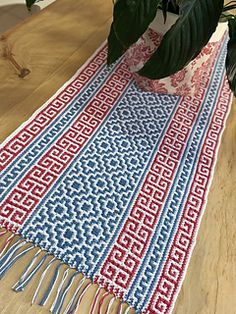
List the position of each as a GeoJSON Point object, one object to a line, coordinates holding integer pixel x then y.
{"type": "Point", "coordinates": [164, 7]}
{"type": "Point", "coordinates": [115, 49]}
{"type": "Point", "coordinates": [169, 6]}
{"type": "Point", "coordinates": [29, 3]}
{"type": "Point", "coordinates": [183, 42]}
{"type": "Point", "coordinates": [231, 56]}
{"type": "Point", "coordinates": [173, 6]}
{"type": "Point", "coordinates": [131, 18]}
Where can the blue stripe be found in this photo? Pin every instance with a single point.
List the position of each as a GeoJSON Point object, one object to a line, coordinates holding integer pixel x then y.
{"type": "Point", "coordinates": [134, 195]}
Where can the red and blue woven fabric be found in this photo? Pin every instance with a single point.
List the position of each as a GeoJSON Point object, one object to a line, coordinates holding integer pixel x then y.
{"type": "Point", "coordinates": [113, 181]}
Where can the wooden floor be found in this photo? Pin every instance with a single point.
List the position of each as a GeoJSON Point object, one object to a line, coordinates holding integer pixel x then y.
{"type": "Point", "coordinates": [52, 45]}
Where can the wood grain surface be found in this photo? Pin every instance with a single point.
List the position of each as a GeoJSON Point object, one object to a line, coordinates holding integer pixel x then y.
{"type": "Point", "coordinates": [52, 45]}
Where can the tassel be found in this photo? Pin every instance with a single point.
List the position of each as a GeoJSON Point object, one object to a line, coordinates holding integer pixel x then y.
{"type": "Point", "coordinates": [95, 301]}
{"type": "Point", "coordinates": [74, 310]}
{"type": "Point", "coordinates": [4, 231]}
{"type": "Point", "coordinates": [120, 308]}
{"type": "Point", "coordinates": [61, 298]}
{"type": "Point", "coordinates": [51, 286]}
{"type": "Point", "coordinates": [4, 259]}
{"type": "Point", "coordinates": [41, 279]}
{"type": "Point", "coordinates": [127, 310]}
{"type": "Point", "coordinates": [5, 264]}
{"type": "Point", "coordinates": [110, 305]}
{"type": "Point", "coordinates": [59, 290]}
{"type": "Point", "coordinates": [70, 304]}
{"type": "Point", "coordinates": [101, 302]}
{"type": "Point", "coordinates": [21, 286]}
{"type": "Point", "coordinates": [6, 244]}
{"type": "Point", "coordinates": [28, 267]}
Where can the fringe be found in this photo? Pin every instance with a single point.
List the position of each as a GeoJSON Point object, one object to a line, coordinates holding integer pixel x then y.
{"type": "Point", "coordinates": [2, 232]}
{"type": "Point", "coordinates": [127, 310]}
{"type": "Point", "coordinates": [120, 308]}
{"type": "Point", "coordinates": [72, 301]}
{"type": "Point", "coordinates": [59, 290]}
{"type": "Point", "coordinates": [11, 257]}
{"type": "Point", "coordinates": [25, 279]}
{"type": "Point", "coordinates": [95, 301]}
{"type": "Point", "coordinates": [51, 285]}
{"type": "Point", "coordinates": [74, 310]}
{"type": "Point", "coordinates": [13, 250]}
{"type": "Point", "coordinates": [23, 275]}
{"type": "Point", "coordinates": [110, 304]}
{"type": "Point", "coordinates": [62, 296]}
{"type": "Point", "coordinates": [102, 302]}
{"type": "Point", "coordinates": [6, 244]}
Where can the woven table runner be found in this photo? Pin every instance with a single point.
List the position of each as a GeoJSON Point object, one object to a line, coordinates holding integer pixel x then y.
{"type": "Point", "coordinates": [112, 181]}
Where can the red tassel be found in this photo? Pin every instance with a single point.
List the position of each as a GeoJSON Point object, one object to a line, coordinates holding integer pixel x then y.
{"type": "Point", "coordinates": [3, 232]}
{"type": "Point", "coordinates": [101, 302]}
{"type": "Point", "coordinates": [120, 308]}
{"type": "Point", "coordinates": [95, 301]}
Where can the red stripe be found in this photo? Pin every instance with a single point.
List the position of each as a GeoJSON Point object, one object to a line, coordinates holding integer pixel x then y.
{"type": "Point", "coordinates": [34, 185]}
{"type": "Point", "coordinates": [34, 127]}
{"type": "Point", "coordinates": [176, 263]}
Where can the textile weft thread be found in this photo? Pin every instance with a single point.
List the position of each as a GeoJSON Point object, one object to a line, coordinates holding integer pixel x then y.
{"type": "Point", "coordinates": [105, 187]}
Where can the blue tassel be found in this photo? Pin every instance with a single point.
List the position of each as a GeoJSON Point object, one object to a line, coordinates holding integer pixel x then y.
{"type": "Point", "coordinates": [27, 268]}
{"type": "Point", "coordinates": [59, 290]}
{"type": "Point", "coordinates": [21, 286]}
{"type": "Point", "coordinates": [13, 249]}
{"type": "Point", "coordinates": [62, 296]}
{"type": "Point", "coordinates": [51, 286]}
{"type": "Point", "coordinates": [70, 306]}
{"type": "Point", "coordinates": [11, 255]}
{"type": "Point", "coordinates": [77, 303]}
{"type": "Point", "coordinates": [42, 278]}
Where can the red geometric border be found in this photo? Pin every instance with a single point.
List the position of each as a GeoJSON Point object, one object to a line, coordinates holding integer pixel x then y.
{"type": "Point", "coordinates": [162, 300]}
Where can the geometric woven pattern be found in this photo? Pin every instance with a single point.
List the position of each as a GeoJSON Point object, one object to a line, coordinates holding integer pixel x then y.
{"type": "Point", "coordinates": [113, 180]}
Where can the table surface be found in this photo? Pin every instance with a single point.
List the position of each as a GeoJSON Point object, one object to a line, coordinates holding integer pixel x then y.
{"type": "Point", "coordinates": [52, 45]}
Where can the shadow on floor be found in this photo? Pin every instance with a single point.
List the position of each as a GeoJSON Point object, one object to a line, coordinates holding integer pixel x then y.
{"type": "Point", "coordinates": [11, 15]}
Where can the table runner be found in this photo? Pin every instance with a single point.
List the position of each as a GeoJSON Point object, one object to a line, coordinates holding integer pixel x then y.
{"type": "Point", "coordinates": [113, 182]}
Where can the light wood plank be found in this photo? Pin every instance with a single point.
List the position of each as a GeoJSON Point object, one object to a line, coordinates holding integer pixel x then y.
{"type": "Point", "coordinates": [52, 45]}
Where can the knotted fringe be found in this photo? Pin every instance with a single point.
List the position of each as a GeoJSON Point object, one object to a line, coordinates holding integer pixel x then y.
{"type": "Point", "coordinates": [15, 248]}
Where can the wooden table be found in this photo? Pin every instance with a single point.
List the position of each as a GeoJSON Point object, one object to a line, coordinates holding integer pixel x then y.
{"type": "Point", "coordinates": [52, 45]}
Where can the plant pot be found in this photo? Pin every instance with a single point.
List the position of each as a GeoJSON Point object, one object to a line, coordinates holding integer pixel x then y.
{"type": "Point", "coordinates": [187, 82]}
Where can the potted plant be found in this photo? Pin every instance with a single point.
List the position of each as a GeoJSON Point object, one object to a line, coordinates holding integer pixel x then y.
{"type": "Point", "coordinates": [197, 21]}
{"type": "Point", "coordinates": [195, 25]}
